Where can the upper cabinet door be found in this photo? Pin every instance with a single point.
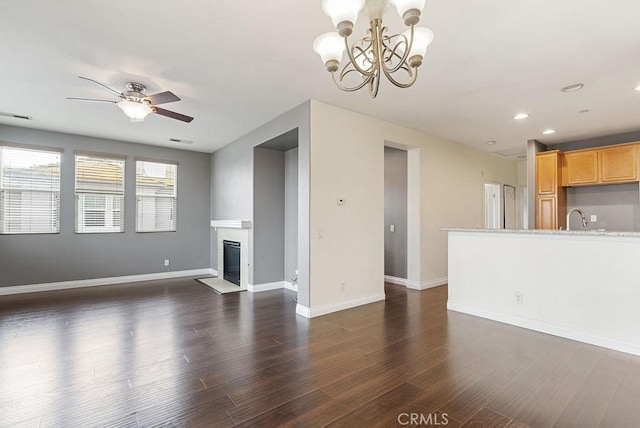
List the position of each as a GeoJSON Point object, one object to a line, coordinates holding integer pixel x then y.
{"type": "Point", "coordinates": [619, 164]}
{"type": "Point", "coordinates": [581, 168]}
{"type": "Point", "coordinates": [547, 173]}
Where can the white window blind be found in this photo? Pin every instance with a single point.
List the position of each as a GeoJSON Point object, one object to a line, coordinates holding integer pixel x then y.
{"type": "Point", "coordinates": [29, 190]}
{"type": "Point", "coordinates": [99, 194]}
{"type": "Point", "coordinates": [156, 196]}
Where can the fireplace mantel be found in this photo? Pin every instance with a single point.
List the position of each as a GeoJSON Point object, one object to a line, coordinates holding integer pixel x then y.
{"type": "Point", "coordinates": [231, 224]}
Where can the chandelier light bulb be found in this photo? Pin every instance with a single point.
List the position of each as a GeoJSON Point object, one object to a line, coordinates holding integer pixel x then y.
{"type": "Point", "coordinates": [409, 10]}
{"type": "Point", "coordinates": [136, 111]}
{"type": "Point", "coordinates": [330, 47]}
{"type": "Point", "coordinates": [422, 38]}
{"type": "Point", "coordinates": [342, 10]}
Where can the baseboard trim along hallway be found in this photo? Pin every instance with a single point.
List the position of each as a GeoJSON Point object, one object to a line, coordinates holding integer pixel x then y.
{"type": "Point", "coordinates": [415, 285]}
{"type": "Point", "coordinates": [268, 286]}
{"type": "Point", "coordinates": [323, 310]}
{"type": "Point", "coordinates": [96, 282]}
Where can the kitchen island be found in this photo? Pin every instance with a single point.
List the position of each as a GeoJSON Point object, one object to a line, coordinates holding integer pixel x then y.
{"type": "Point", "coordinates": [581, 285]}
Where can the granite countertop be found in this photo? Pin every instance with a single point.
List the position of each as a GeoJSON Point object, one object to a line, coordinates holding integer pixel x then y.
{"type": "Point", "coordinates": [600, 232]}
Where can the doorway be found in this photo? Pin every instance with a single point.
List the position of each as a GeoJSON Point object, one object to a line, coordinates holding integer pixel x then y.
{"type": "Point", "coordinates": [492, 204]}
{"type": "Point", "coordinates": [395, 212]}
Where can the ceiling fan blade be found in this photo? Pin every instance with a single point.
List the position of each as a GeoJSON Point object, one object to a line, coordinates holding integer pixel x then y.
{"type": "Point", "coordinates": [172, 114]}
{"type": "Point", "coordinates": [163, 98]}
{"type": "Point", "coordinates": [113, 91]}
{"type": "Point", "coordinates": [91, 100]}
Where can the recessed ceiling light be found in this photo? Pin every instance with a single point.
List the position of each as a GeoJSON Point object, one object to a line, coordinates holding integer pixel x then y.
{"type": "Point", "coordinates": [572, 88]}
{"type": "Point", "coordinates": [637, 88]}
{"type": "Point", "coordinates": [521, 116]}
{"type": "Point", "coordinates": [549, 131]}
{"type": "Point", "coordinates": [491, 143]}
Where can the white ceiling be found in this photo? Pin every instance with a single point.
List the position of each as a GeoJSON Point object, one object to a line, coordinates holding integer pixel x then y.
{"type": "Point", "coordinates": [237, 64]}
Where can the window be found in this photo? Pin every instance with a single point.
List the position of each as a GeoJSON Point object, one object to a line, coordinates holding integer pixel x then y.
{"type": "Point", "coordinates": [99, 194]}
{"type": "Point", "coordinates": [29, 190]}
{"type": "Point", "coordinates": [156, 196]}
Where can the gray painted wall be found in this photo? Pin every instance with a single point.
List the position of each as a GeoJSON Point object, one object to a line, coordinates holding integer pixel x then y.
{"type": "Point", "coordinates": [616, 205]}
{"type": "Point", "coordinates": [232, 186]}
{"type": "Point", "coordinates": [268, 215]}
{"type": "Point", "coordinates": [607, 140]}
{"type": "Point", "coordinates": [395, 212]}
{"type": "Point", "coordinates": [290, 214]}
{"type": "Point", "coordinates": [33, 259]}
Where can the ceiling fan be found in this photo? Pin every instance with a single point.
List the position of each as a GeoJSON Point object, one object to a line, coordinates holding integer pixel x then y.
{"type": "Point", "coordinates": [136, 104]}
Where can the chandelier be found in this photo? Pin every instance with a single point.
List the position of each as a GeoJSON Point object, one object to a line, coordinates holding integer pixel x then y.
{"type": "Point", "coordinates": [377, 53]}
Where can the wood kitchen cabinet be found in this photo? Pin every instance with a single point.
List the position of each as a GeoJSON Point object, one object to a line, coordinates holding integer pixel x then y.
{"type": "Point", "coordinates": [602, 165]}
{"type": "Point", "coordinates": [619, 164]}
{"type": "Point", "coordinates": [581, 168]}
{"type": "Point", "coordinates": [551, 200]}
{"type": "Point", "coordinates": [546, 212]}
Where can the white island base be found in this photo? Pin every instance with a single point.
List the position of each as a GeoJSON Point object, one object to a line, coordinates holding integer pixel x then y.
{"type": "Point", "coordinates": [583, 286]}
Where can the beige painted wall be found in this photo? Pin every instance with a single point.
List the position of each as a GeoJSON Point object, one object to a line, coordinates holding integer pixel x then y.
{"type": "Point", "coordinates": [347, 160]}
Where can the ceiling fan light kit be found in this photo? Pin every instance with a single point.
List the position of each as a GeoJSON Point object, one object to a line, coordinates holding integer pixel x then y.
{"type": "Point", "coordinates": [377, 53]}
{"type": "Point", "coordinates": [136, 104]}
{"type": "Point", "coordinates": [136, 111]}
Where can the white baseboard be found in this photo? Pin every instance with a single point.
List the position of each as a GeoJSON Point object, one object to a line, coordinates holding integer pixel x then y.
{"type": "Point", "coordinates": [425, 285]}
{"type": "Point", "coordinates": [66, 285]}
{"type": "Point", "coordinates": [415, 285]}
{"type": "Point", "coordinates": [396, 280]}
{"type": "Point", "coordinates": [303, 310]}
{"type": "Point", "coordinates": [257, 288]}
{"type": "Point", "coordinates": [289, 286]}
{"type": "Point", "coordinates": [323, 310]}
{"type": "Point", "coordinates": [548, 328]}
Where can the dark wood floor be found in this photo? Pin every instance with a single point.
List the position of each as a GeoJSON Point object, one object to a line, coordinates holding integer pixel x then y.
{"type": "Point", "coordinates": [174, 353]}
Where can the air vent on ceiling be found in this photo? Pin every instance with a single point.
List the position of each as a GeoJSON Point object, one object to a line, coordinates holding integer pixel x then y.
{"type": "Point", "coordinates": [178, 140]}
{"type": "Point", "coordinates": [15, 116]}
{"type": "Point", "coordinates": [517, 153]}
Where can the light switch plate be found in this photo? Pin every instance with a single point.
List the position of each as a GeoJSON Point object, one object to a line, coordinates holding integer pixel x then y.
{"type": "Point", "coordinates": [392, 228]}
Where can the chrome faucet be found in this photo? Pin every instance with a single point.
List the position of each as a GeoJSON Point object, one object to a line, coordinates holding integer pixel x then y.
{"type": "Point", "coordinates": [585, 223]}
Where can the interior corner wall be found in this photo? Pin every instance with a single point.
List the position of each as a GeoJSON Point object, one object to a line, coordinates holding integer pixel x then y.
{"type": "Point", "coordinates": [68, 256]}
{"type": "Point", "coordinates": [533, 147]}
{"type": "Point", "coordinates": [232, 186]}
{"type": "Point", "coordinates": [347, 160]}
{"type": "Point", "coordinates": [395, 212]}
{"type": "Point", "coordinates": [268, 215]}
{"type": "Point", "coordinates": [290, 214]}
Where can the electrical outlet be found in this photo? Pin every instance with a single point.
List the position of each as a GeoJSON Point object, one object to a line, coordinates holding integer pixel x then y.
{"type": "Point", "coordinates": [594, 218]}
{"type": "Point", "coordinates": [392, 228]}
{"type": "Point", "coordinates": [343, 286]}
{"type": "Point", "coordinates": [166, 262]}
{"type": "Point", "coordinates": [320, 234]}
{"type": "Point", "coordinates": [518, 296]}
{"type": "Point", "coordinates": [296, 271]}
